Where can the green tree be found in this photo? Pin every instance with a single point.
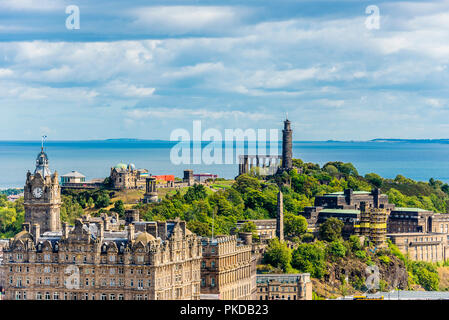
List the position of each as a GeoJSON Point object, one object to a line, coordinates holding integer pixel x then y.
{"type": "Point", "coordinates": [374, 179]}
{"type": "Point", "coordinates": [294, 226]}
{"type": "Point", "coordinates": [196, 192]}
{"type": "Point", "coordinates": [330, 230]}
{"type": "Point", "coordinates": [310, 258]}
{"type": "Point", "coordinates": [7, 218]}
{"type": "Point", "coordinates": [119, 207]}
{"type": "Point", "coordinates": [278, 255]}
{"type": "Point", "coordinates": [336, 249]}
{"type": "Point", "coordinates": [102, 201]}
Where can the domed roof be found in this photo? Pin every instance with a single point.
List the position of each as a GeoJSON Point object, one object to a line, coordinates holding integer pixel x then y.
{"type": "Point", "coordinates": [120, 166]}
{"type": "Point", "coordinates": [145, 237]}
{"type": "Point", "coordinates": [42, 164]}
{"type": "Point", "coordinates": [131, 166]}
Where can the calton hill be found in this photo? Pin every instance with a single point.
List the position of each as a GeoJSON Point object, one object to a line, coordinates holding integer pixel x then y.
{"type": "Point", "coordinates": [337, 266]}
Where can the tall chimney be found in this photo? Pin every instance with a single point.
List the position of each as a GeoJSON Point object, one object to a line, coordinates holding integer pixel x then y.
{"type": "Point", "coordinates": [36, 232]}
{"type": "Point", "coordinates": [131, 232]}
{"type": "Point", "coordinates": [65, 230]}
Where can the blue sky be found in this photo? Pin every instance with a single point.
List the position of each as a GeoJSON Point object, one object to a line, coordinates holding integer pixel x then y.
{"type": "Point", "coordinates": [140, 69]}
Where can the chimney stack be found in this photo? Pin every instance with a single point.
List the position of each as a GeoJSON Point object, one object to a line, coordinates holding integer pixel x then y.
{"type": "Point", "coordinates": [36, 232]}
{"type": "Point", "coordinates": [65, 230]}
{"type": "Point", "coordinates": [131, 232]}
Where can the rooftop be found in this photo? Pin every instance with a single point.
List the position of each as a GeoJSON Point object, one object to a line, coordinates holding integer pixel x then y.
{"type": "Point", "coordinates": [74, 174]}
{"type": "Point", "coordinates": [410, 209]}
{"type": "Point", "coordinates": [341, 211]}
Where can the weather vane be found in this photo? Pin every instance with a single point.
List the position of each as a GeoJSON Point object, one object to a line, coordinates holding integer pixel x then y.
{"type": "Point", "coordinates": [43, 139]}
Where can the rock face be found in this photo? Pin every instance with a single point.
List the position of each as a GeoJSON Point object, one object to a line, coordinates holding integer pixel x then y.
{"type": "Point", "coordinates": [348, 276]}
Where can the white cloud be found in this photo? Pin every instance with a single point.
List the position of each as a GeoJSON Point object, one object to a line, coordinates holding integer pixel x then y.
{"type": "Point", "coordinates": [172, 113]}
{"type": "Point", "coordinates": [185, 19]}
{"type": "Point", "coordinates": [31, 5]}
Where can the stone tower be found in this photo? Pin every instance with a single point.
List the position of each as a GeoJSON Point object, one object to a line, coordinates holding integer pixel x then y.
{"type": "Point", "coordinates": [287, 153]}
{"type": "Point", "coordinates": [42, 196]}
{"type": "Point", "coordinates": [280, 217]}
{"type": "Point", "coordinates": [150, 190]}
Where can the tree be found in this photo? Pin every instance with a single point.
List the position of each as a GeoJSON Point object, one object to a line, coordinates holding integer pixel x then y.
{"type": "Point", "coordinates": [374, 179]}
{"type": "Point", "coordinates": [310, 258]}
{"type": "Point", "coordinates": [330, 230]}
{"type": "Point", "coordinates": [102, 201]}
{"type": "Point", "coordinates": [278, 254]}
{"type": "Point", "coordinates": [336, 249]}
{"type": "Point", "coordinates": [7, 218]}
{"type": "Point", "coordinates": [119, 208]}
{"type": "Point", "coordinates": [295, 226]}
{"type": "Point", "coordinates": [248, 226]}
{"type": "Point", "coordinates": [332, 170]}
{"type": "Point", "coordinates": [197, 192]}
{"type": "Point", "coordinates": [199, 228]}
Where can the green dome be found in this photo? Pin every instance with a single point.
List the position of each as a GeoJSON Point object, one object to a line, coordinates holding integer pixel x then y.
{"type": "Point", "coordinates": [120, 166]}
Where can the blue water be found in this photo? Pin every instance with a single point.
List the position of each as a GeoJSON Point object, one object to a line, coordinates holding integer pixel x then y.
{"type": "Point", "coordinates": [416, 160]}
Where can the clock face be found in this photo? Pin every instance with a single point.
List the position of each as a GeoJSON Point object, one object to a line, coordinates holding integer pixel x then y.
{"type": "Point", "coordinates": [37, 192]}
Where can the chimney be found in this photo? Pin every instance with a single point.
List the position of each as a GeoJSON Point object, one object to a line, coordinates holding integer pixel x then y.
{"type": "Point", "coordinates": [36, 232]}
{"type": "Point", "coordinates": [151, 228]}
{"type": "Point", "coordinates": [101, 229]}
{"type": "Point", "coordinates": [162, 229]}
{"type": "Point", "coordinates": [131, 232]}
{"type": "Point", "coordinates": [348, 196]}
{"type": "Point", "coordinates": [65, 230]}
{"type": "Point", "coordinates": [247, 237]}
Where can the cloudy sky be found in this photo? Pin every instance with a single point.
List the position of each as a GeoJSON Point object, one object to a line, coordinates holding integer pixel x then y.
{"type": "Point", "coordinates": [140, 69]}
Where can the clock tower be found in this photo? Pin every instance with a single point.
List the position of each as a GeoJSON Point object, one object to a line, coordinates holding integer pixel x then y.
{"type": "Point", "coordinates": [42, 196]}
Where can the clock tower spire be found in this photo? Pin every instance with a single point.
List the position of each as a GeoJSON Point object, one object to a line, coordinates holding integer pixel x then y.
{"type": "Point", "coordinates": [42, 195]}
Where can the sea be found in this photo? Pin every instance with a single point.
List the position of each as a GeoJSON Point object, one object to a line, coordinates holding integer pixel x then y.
{"type": "Point", "coordinates": [419, 160]}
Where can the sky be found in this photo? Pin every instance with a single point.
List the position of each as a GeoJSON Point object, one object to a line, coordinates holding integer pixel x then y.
{"type": "Point", "coordinates": [141, 69]}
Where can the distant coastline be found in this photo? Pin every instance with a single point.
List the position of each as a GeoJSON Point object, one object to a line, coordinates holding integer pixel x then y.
{"type": "Point", "coordinates": [176, 141]}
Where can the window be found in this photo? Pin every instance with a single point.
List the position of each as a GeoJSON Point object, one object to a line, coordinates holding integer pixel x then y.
{"type": "Point", "coordinates": [212, 282]}
{"type": "Point", "coordinates": [112, 296]}
{"type": "Point", "coordinates": [47, 295]}
{"type": "Point", "coordinates": [56, 296]}
{"type": "Point", "coordinates": [120, 296]}
{"type": "Point", "coordinates": [38, 296]}
{"type": "Point", "coordinates": [103, 296]}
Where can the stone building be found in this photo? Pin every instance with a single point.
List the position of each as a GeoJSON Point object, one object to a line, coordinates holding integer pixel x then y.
{"type": "Point", "coordinates": [42, 196]}
{"type": "Point", "coordinates": [284, 287]}
{"type": "Point", "coordinates": [349, 199]}
{"type": "Point", "coordinates": [150, 190]}
{"type": "Point", "coordinates": [89, 262]}
{"type": "Point", "coordinates": [124, 176]}
{"type": "Point", "coordinates": [228, 269]}
{"type": "Point", "coordinates": [345, 206]}
{"type": "Point", "coordinates": [265, 228]}
{"type": "Point", "coordinates": [72, 177]}
{"type": "Point", "coordinates": [420, 246]}
{"type": "Point", "coordinates": [267, 165]}
{"type": "Point", "coordinates": [412, 220]}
